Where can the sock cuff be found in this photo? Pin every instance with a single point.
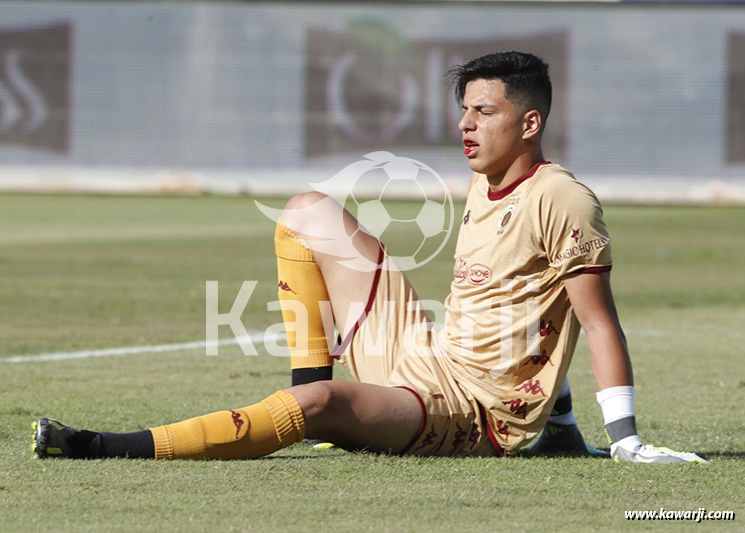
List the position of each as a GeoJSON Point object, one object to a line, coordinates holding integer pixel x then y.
{"type": "Point", "coordinates": [562, 406]}
{"type": "Point", "coordinates": [621, 429]}
{"type": "Point", "coordinates": [567, 419]}
{"type": "Point", "coordinates": [163, 442]}
{"type": "Point", "coordinates": [289, 422]}
{"type": "Point", "coordinates": [616, 403]}
{"type": "Point", "coordinates": [310, 358]}
{"type": "Point", "coordinates": [289, 246]}
{"type": "Point", "coordinates": [610, 392]}
{"type": "Point", "coordinates": [302, 376]}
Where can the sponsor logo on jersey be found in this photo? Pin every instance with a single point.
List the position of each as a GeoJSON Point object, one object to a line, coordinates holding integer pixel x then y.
{"type": "Point", "coordinates": [547, 327]}
{"type": "Point", "coordinates": [539, 359]}
{"type": "Point", "coordinates": [532, 387]}
{"type": "Point", "coordinates": [479, 274]}
{"type": "Point", "coordinates": [518, 407]}
{"type": "Point", "coordinates": [473, 438]}
{"type": "Point", "coordinates": [467, 217]}
{"type": "Point", "coordinates": [503, 430]}
{"type": "Point", "coordinates": [576, 234]}
{"type": "Point", "coordinates": [504, 220]}
{"type": "Point", "coordinates": [238, 421]}
{"type": "Point", "coordinates": [460, 271]}
{"type": "Point", "coordinates": [459, 437]}
{"type": "Point", "coordinates": [285, 287]}
{"type": "Point", "coordinates": [429, 438]}
{"type": "Point", "coordinates": [583, 247]}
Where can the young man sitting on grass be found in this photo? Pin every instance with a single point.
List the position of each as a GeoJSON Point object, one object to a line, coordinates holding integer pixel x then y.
{"type": "Point", "coordinates": [532, 264]}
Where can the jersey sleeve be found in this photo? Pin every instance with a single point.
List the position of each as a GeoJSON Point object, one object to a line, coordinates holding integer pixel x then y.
{"type": "Point", "coordinates": [572, 228]}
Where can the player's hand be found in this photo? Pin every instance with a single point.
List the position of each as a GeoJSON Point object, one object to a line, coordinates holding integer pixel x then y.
{"type": "Point", "coordinates": [644, 453]}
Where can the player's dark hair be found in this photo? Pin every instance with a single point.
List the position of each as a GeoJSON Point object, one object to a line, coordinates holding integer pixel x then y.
{"type": "Point", "coordinates": [525, 76]}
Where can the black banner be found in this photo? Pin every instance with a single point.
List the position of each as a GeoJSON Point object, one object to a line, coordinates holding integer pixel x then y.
{"type": "Point", "coordinates": [736, 99]}
{"type": "Point", "coordinates": [371, 90]}
{"type": "Point", "coordinates": [35, 87]}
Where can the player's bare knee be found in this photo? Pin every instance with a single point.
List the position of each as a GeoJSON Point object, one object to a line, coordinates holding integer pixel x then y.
{"type": "Point", "coordinates": [311, 213]}
{"type": "Point", "coordinates": [299, 211]}
{"type": "Point", "coordinates": [303, 200]}
{"type": "Point", "coordinates": [315, 399]}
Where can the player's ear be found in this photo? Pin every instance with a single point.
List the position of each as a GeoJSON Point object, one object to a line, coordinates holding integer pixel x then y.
{"type": "Point", "coordinates": [532, 123]}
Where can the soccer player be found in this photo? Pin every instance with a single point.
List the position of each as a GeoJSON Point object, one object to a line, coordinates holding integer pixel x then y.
{"type": "Point", "coordinates": [532, 264]}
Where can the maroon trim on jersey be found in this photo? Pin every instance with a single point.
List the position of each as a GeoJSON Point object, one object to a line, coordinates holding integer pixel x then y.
{"type": "Point", "coordinates": [489, 433]}
{"type": "Point", "coordinates": [422, 425]}
{"type": "Point", "coordinates": [501, 193]}
{"type": "Point", "coordinates": [596, 270]}
{"type": "Point", "coordinates": [341, 346]}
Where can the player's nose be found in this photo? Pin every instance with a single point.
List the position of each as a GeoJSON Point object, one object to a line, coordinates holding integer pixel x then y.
{"type": "Point", "coordinates": [466, 122]}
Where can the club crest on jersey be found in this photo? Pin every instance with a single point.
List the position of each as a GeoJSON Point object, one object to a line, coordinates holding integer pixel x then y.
{"type": "Point", "coordinates": [505, 219]}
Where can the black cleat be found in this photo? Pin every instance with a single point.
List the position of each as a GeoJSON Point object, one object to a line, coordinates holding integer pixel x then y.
{"type": "Point", "coordinates": [319, 444]}
{"type": "Point", "coordinates": [52, 438]}
{"type": "Point", "coordinates": [561, 439]}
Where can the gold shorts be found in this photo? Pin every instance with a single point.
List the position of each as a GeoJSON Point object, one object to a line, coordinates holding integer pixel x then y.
{"type": "Point", "coordinates": [394, 344]}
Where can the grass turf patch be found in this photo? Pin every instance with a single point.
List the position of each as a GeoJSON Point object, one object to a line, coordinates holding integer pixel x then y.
{"type": "Point", "coordinates": [98, 272]}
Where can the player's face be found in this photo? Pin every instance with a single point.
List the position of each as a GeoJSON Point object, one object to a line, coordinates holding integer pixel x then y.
{"type": "Point", "coordinates": [491, 126]}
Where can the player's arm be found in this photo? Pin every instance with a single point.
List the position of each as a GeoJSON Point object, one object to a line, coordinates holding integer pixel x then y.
{"type": "Point", "coordinates": [592, 301]}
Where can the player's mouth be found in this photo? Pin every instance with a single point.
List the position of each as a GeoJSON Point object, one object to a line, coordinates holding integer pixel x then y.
{"type": "Point", "coordinates": [470, 147]}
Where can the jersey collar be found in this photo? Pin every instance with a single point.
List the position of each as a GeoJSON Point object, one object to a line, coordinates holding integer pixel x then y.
{"type": "Point", "coordinates": [501, 193]}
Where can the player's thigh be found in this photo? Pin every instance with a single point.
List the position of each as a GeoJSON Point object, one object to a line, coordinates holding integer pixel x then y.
{"type": "Point", "coordinates": [360, 415]}
{"type": "Point", "coordinates": [394, 324]}
{"type": "Point", "coordinates": [345, 255]}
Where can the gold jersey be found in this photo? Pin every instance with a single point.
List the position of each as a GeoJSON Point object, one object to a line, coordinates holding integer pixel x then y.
{"type": "Point", "coordinates": [510, 331]}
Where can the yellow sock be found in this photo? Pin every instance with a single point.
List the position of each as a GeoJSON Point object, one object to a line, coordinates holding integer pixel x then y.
{"type": "Point", "coordinates": [246, 433]}
{"type": "Point", "coordinates": [300, 280]}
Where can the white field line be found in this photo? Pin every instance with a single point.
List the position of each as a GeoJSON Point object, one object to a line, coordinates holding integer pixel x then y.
{"type": "Point", "coordinates": [257, 337]}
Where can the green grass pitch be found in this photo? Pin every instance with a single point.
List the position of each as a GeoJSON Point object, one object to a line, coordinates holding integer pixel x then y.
{"type": "Point", "coordinates": [80, 273]}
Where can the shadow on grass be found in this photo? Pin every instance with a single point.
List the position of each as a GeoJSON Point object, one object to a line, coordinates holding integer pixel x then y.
{"type": "Point", "coordinates": [722, 455]}
{"type": "Point", "coordinates": [708, 455]}
{"type": "Point", "coordinates": [303, 457]}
